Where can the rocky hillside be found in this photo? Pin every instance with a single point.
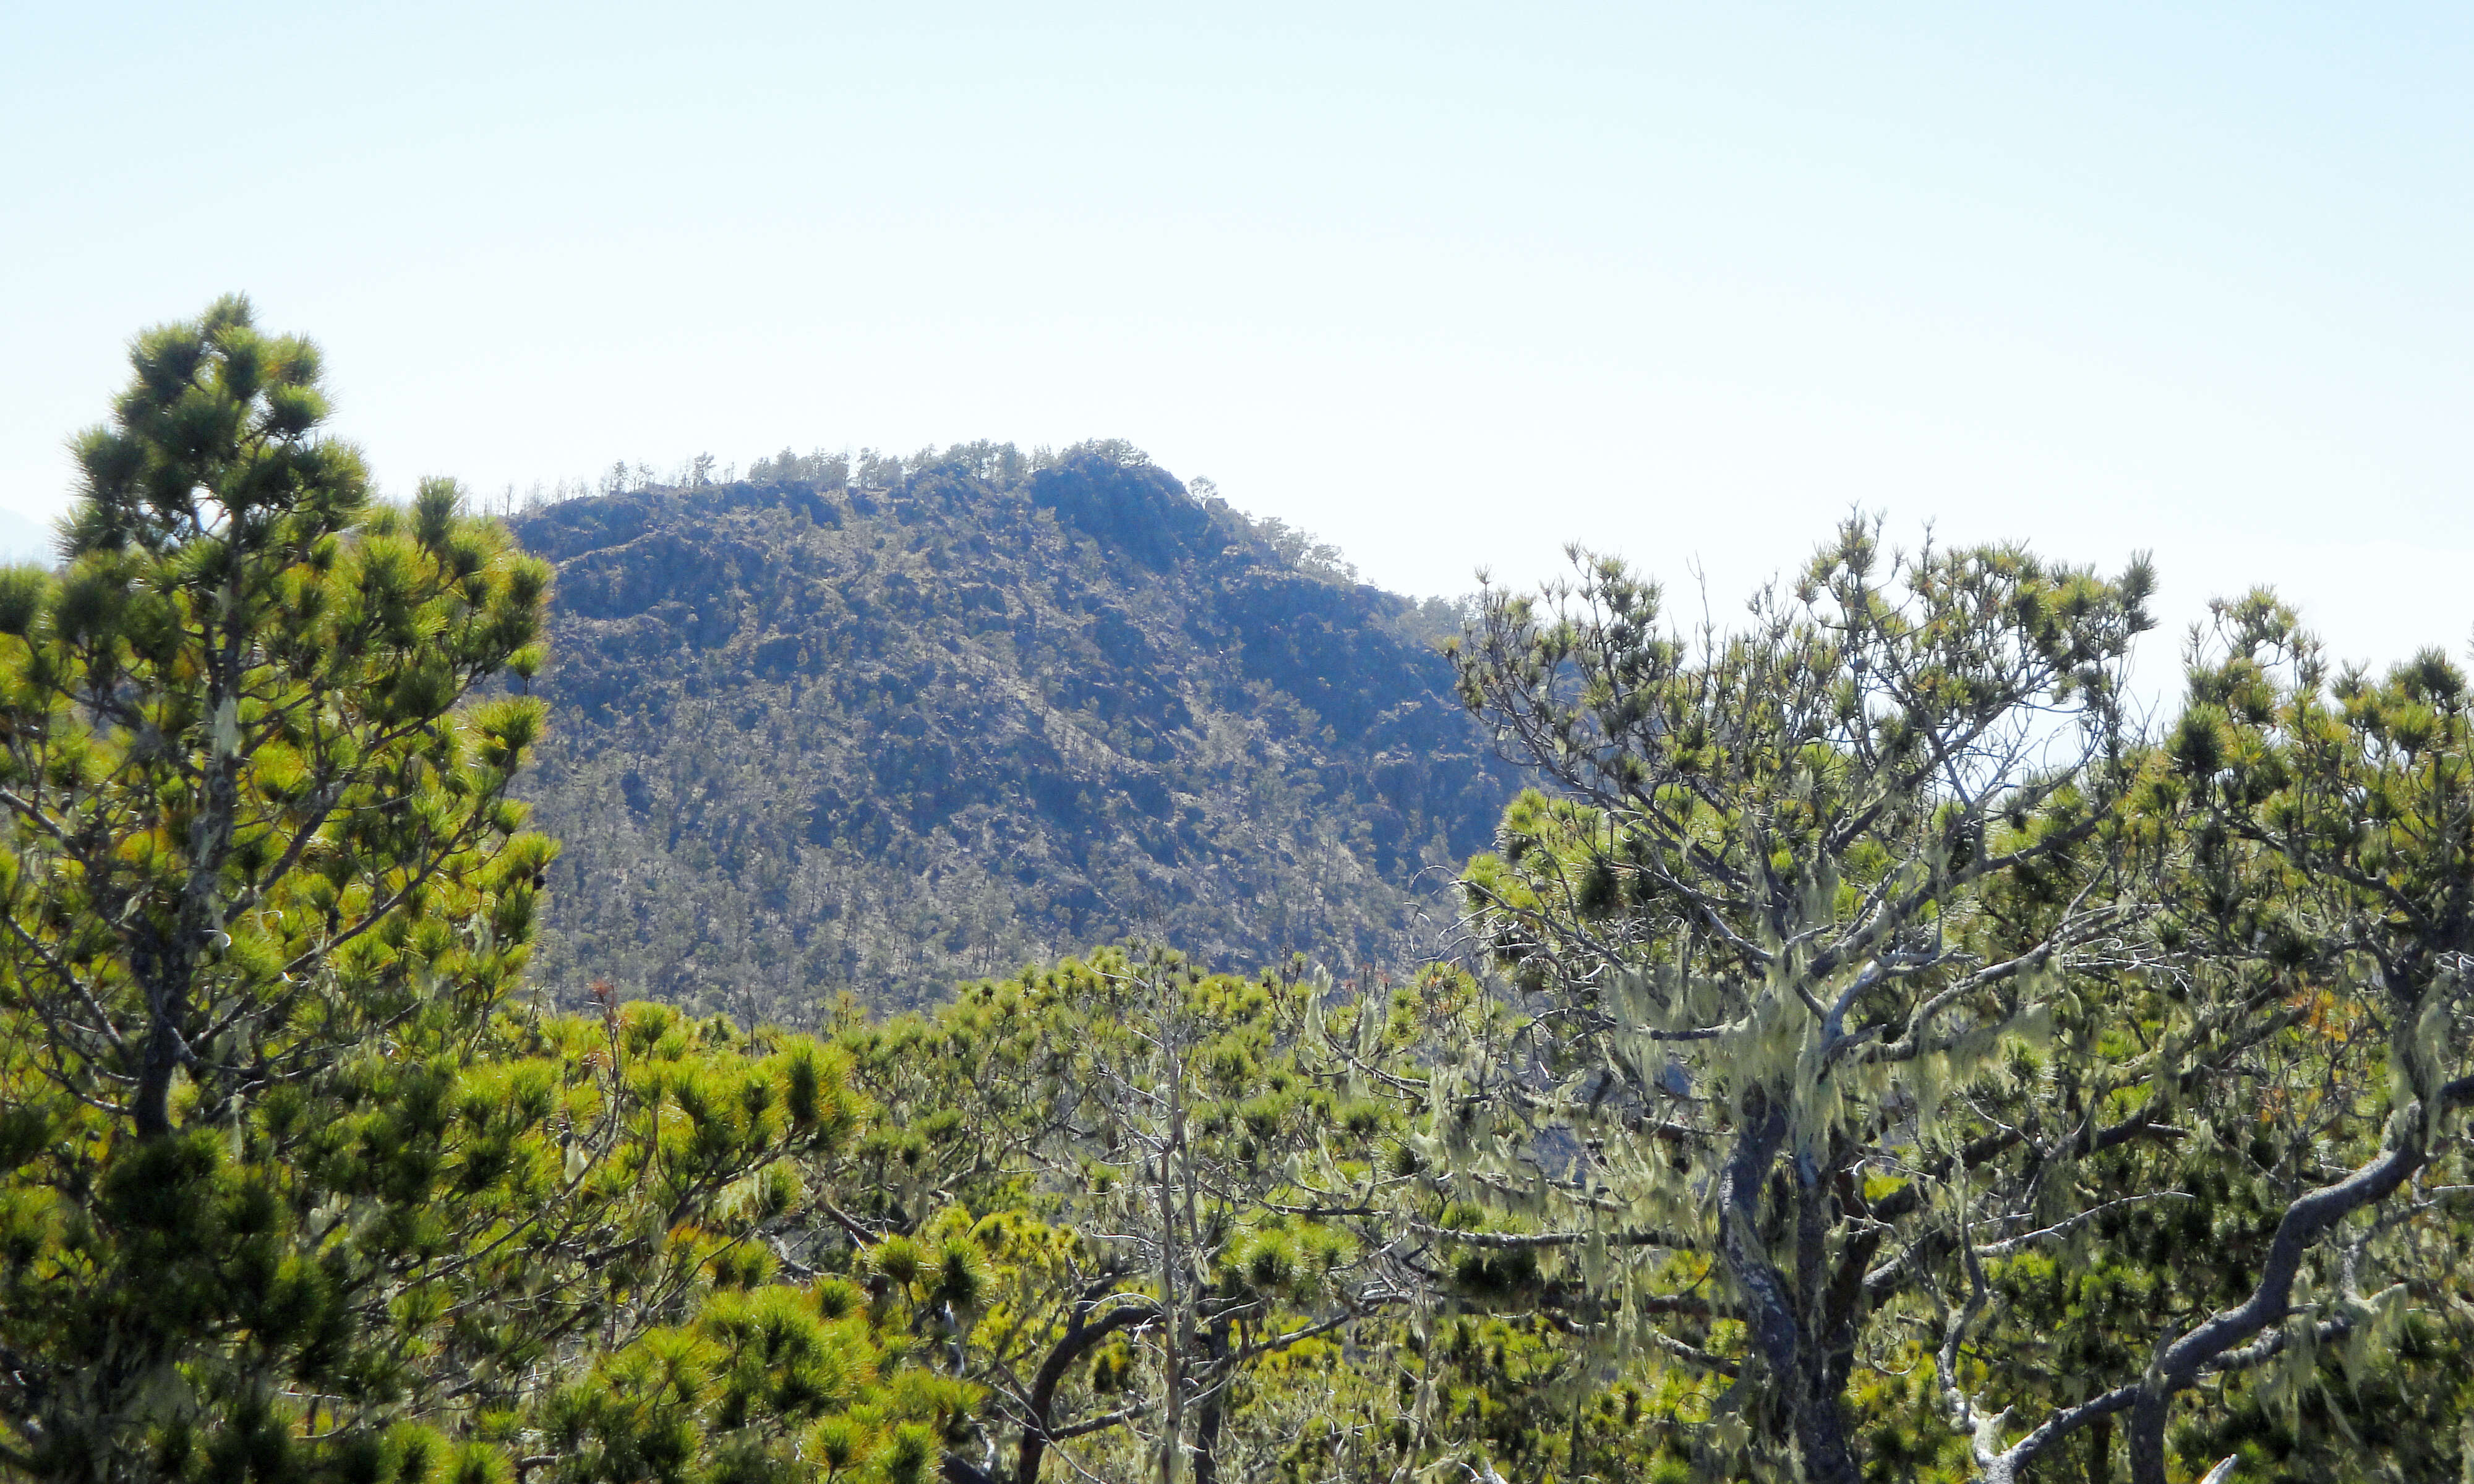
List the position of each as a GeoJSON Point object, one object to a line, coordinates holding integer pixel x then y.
{"type": "Point", "coordinates": [826, 731]}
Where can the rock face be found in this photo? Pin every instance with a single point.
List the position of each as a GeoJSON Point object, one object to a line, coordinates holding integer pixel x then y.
{"type": "Point", "coordinates": [815, 737]}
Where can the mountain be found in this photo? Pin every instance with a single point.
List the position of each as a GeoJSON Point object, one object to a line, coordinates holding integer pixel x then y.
{"type": "Point", "coordinates": [872, 730]}
{"type": "Point", "coordinates": [26, 538]}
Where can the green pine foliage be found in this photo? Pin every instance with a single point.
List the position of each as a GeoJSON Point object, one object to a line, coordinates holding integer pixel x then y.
{"type": "Point", "coordinates": [1882, 1062]}
{"type": "Point", "coordinates": [1123, 1183]}
{"type": "Point", "coordinates": [1899, 1008]}
{"type": "Point", "coordinates": [294, 1189]}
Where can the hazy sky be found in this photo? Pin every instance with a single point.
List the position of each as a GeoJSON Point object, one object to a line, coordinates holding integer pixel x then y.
{"type": "Point", "coordinates": [1448, 285]}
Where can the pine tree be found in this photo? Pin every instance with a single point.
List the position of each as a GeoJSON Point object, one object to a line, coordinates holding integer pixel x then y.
{"type": "Point", "coordinates": [1900, 1012]}
{"type": "Point", "coordinates": [292, 1188]}
{"type": "Point", "coordinates": [1139, 1162]}
{"type": "Point", "coordinates": [255, 785]}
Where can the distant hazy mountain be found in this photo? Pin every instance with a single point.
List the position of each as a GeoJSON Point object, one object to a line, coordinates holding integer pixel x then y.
{"type": "Point", "coordinates": [829, 731]}
{"type": "Point", "coordinates": [25, 539]}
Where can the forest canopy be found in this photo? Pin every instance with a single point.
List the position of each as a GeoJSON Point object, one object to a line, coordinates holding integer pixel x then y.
{"type": "Point", "coordinates": [1868, 1052]}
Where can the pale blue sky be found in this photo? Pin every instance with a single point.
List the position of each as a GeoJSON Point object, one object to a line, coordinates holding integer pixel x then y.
{"type": "Point", "coordinates": [1451, 285]}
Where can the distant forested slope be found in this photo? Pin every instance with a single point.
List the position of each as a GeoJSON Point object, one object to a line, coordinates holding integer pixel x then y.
{"type": "Point", "coordinates": [874, 730]}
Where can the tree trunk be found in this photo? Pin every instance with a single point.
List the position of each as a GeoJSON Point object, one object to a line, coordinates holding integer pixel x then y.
{"type": "Point", "coordinates": [1179, 1314]}
{"type": "Point", "coordinates": [152, 1108]}
{"type": "Point", "coordinates": [2148, 1439]}
{"type": "Point", "coordinates": [169, 970]}
{"type": "Point", "coordinates": [1173, 1340]}
{"type": "Point", "coordinates": [1821, 1435]}
{"type": "Point", "coordinates": [1206, 1427]}
{"type": "Point", "coordinates": [1821, 1423]}
{"type": "Point", "coordinates": [1796, 1361]}
{"type": "Point", "coordinates": [1080, 1337]}
{"type": "Point", "coordinates": [164, 972]}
